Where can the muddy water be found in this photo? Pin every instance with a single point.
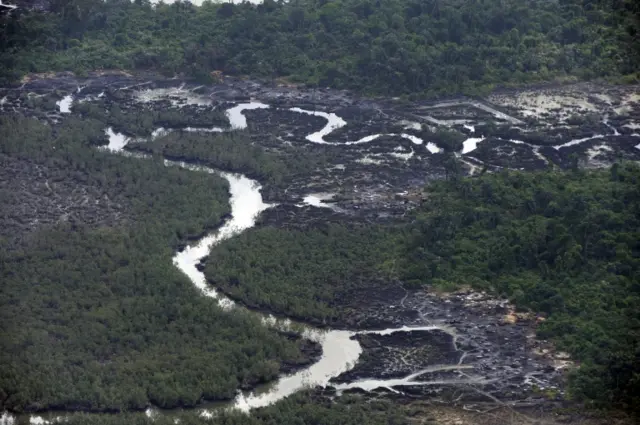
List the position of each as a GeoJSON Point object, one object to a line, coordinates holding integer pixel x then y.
{"type": "Point", "coordinates": [414, 139]}
{"type": "Point", "coordinates": [333, 123]}
{"type": "Point", "coordinates": [64, 105]}
{"type": "Point", "coordinates": [339, 354]}
{"type": "Point", "coordinates": [7, 419]}
{"type": "Point", "coordinates": [8, 6]}
{"type": "Point", "coordinates": [578, 141]}
{"type": "Point", "coordinates": [471, 144]}
{"type": "Point", "coordinates": [246, 203]}
{"type": "Point", "coordinates": [117, 141]}
{"type": "Point", "coordinates": [237, 118]}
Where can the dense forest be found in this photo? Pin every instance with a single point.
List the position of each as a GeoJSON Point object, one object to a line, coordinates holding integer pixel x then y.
{"type": "Point", "coordinates": [418, 47]}
{"type": "Point", "coordinates": [96, 317]}
{"type": "Point", "coordinates": [564, 245]}
{"type": "Point", "coordinates": [300, 273]}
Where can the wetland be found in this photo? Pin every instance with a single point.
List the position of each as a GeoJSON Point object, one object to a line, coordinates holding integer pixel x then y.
{"type": "Point", "coordinates": [307, 249]}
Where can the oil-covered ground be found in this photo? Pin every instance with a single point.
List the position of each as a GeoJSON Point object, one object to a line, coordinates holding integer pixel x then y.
{"type": "Point", "coordinates": [350, 158]}
{"type": "Point", "coordinates": [373, 154]}
{"type": "Point", "coordinates": [490, 354]}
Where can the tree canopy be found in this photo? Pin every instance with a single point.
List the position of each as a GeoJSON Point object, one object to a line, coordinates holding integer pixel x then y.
{"type": "Point", "coordinates": [418, 47]}
{"type": "Point", "coordinates": [96, 316]}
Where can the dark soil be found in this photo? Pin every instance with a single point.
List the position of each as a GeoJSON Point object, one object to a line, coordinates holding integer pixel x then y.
{"type": "Point", "coordinates": [34, 195]}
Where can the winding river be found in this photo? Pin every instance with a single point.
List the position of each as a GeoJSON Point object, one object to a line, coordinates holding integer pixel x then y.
{"type": "Point", "coordinates": [340, 351]}
{"type": "Point", "coordinates": [8, 6]}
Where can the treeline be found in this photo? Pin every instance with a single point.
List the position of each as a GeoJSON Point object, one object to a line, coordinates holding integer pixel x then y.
{"type": "Point", "coordinates": [299, 409]}
{"type": "Point", "coordinates": [418, 47]}
{"type": "Point", "coordinates": [564, 245]}
{"type": "Point", "coordinates": [98, 317]}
